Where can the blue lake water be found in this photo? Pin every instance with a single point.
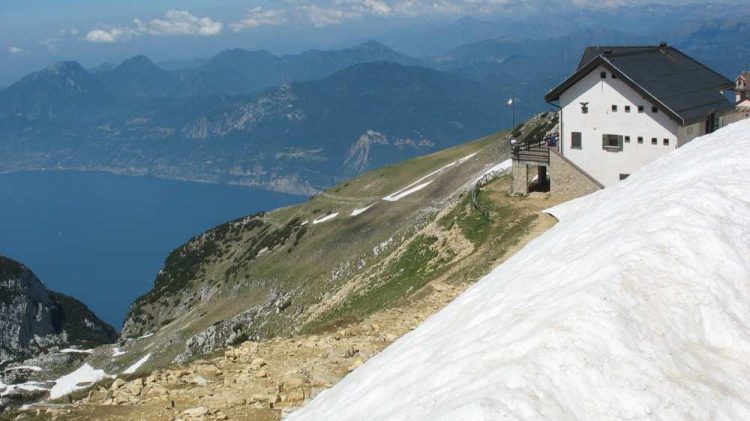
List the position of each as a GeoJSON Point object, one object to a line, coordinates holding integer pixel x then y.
{"type": "Point", "coordinates": [102, 238]}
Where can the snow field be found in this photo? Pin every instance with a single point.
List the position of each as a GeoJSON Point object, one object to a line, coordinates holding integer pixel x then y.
{"type": "Point", "coordinates": [635, 306]}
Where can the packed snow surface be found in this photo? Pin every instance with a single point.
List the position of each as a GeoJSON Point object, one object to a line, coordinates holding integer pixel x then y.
{"type": "Point", "coordinates": [133, 368]}
{"type": "Point", "coordinates": [635, 306]}
{"type": "Point", "coordinates": [82, 377]}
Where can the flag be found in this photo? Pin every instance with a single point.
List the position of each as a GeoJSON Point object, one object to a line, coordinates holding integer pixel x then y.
{"type": "Point", "coordinates": [510, 102]}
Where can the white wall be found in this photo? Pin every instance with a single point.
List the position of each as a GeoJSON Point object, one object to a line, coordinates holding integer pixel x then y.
{"type": "Point", "coordinates": [606, 166]}
{"type": "Point", "coordinates": [687, 133]}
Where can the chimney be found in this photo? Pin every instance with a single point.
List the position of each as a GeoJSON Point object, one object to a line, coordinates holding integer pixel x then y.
{"type": "Point", "coordinates": [663, 47]}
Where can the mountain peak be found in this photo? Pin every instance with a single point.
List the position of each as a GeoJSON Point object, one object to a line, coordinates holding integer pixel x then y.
{"type": "Point", "coordinates": [140, 61]}
{"type": "Point", "coordinates": [63, 67]}
{"type": "Point", "coordinates": [372, 45]}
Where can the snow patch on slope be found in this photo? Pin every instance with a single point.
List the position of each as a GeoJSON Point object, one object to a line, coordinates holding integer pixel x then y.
{"type": "Point", "coordinates": [325, 218]}
{"type": "Point", "coordinates": [403, 193]}
{"type": "Point", "coordinates": [84, 376]}
{"type": "Point", "coordinates": [500, 168]}
{"type": "Point", "coordinates": [76, 351]}
{"type": "Point", "coordinates": [420, 184]}
{"type": "Point", "coordinates": [359, 211]}
{"type": "Point", "coordinates": [635, 306]}
{"type": "Point", "coordinates": [133, 368]}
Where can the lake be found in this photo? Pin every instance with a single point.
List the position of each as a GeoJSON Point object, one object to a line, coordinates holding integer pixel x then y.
{"type": "Point", "coordinates": [102, 238]}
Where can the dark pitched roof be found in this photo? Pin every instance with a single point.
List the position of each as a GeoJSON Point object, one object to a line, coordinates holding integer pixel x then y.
{"type": "Point", "coordinates": [680, 86]}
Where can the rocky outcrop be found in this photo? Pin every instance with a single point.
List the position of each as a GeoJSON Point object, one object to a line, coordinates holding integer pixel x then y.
{"type": "Point", "coordinates": [33, 319]}
{"type": "Point", "coordinates": [239, 328]}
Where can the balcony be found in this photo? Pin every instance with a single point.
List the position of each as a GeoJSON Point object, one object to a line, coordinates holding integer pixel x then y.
{"type": "Point", "coordinates": [531, 153]}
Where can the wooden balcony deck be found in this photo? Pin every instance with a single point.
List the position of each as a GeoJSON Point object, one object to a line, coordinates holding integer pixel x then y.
{"type": "Point", "coordinates": [531, 153]}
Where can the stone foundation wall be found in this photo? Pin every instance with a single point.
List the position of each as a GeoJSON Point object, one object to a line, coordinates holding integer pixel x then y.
{"type": "Point", "coordinates": [567, 180]}
{"type": "Point", "coordinates": [520, 178]}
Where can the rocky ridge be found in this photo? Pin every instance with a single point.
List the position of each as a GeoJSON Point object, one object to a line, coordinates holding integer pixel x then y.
{"type": "Point", "coordinates": [34, 319]}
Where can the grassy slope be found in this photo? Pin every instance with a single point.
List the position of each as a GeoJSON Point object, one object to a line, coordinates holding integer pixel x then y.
{"type": "Point", "coordinates": [330, 272]}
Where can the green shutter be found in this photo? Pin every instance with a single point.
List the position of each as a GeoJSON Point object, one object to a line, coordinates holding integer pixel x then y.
{"type": "Point", "coordinates": [619, 143]}
{"type": "Point", "coordinates": [604, 141]}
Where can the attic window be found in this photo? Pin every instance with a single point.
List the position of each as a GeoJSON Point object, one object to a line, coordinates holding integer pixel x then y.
{"type": "Point", "coordinates": [654, 110]}
{"type": "Point", "coordinates": [640, 108]}
{"type": "Point", "coordinates": [603, 75]}
{"type": "Point", "coordinates": [627, 108]}
{"type": "Point", "coordinates": [640, 139]}
{"type": "Point", "coordinates": [614, 108]}
{"type": "Point", "coordinates": [666, 142]}
{"type": "Point", "coordinates": [614, 76]}
{"type": "Point", "coordinates": [654, 141]}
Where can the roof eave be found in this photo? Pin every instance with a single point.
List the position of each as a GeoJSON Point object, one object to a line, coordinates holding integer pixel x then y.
{"type": "Point", "coordinates": [554, 94]}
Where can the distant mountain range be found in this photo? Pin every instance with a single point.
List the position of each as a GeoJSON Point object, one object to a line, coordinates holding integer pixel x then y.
{"type": "Point", "coordinates": [297, 137]}
{"type": "Point", "coordinates": [298, 123]}
{"type": "Point", "coordinates": [238, 71]}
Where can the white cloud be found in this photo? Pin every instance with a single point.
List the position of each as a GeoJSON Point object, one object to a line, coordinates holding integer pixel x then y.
{"type": "Point", "coordinates": [51, 45]}
{"type": "Point", "coordinates": [378, 7]}
{"type": "Point", "coordinates": [321, 17]}
{"type": "Point", "coordinates": [181, 22]}
{"type": "Point", "coordinates": [16, 50]}
{"type": "Point", "coordinates": [258, 16]}
{"type": "Point", "coordinates": [108, 36]}
{"type": "Point", "coordinates": [175, 23]}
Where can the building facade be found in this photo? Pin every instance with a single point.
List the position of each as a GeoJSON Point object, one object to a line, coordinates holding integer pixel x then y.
{"type": "Point", "coordinates": [626, 106]}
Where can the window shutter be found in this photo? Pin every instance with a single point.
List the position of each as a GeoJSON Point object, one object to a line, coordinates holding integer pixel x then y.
{"type": "Point", "coordinates": [619, 143]}
{"type": "Point", "coordinates": [604, 141]}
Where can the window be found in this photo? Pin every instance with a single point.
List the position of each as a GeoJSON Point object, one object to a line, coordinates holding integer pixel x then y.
{"type": "Point", "coordinates": [627, 139]}
{"type": "Point", "coordinates": [640, 108]}
{"type": "Point", "coordinates": [624, 176]}
{"type": "Point", "coordinates": [654, 141]}
{"type": "Point", "coordinates": [627, 108]}
{"type": "Point", "coordinates": [614, 76]}
{"type": "Point", "coordinates": [654, 110]}
{"type": "Point", "coordinates": [603, 75]}
{"type": "Point", "coordinates": [612, 142]}
{"type": "Point", "coordinates": [614, 108]}
{"type": "Point", "coordinates": [575, 140]}
{"type": "Point", "coordinates": [666, 142]}
{"type": "Point", "coordinates": [640, 139]}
